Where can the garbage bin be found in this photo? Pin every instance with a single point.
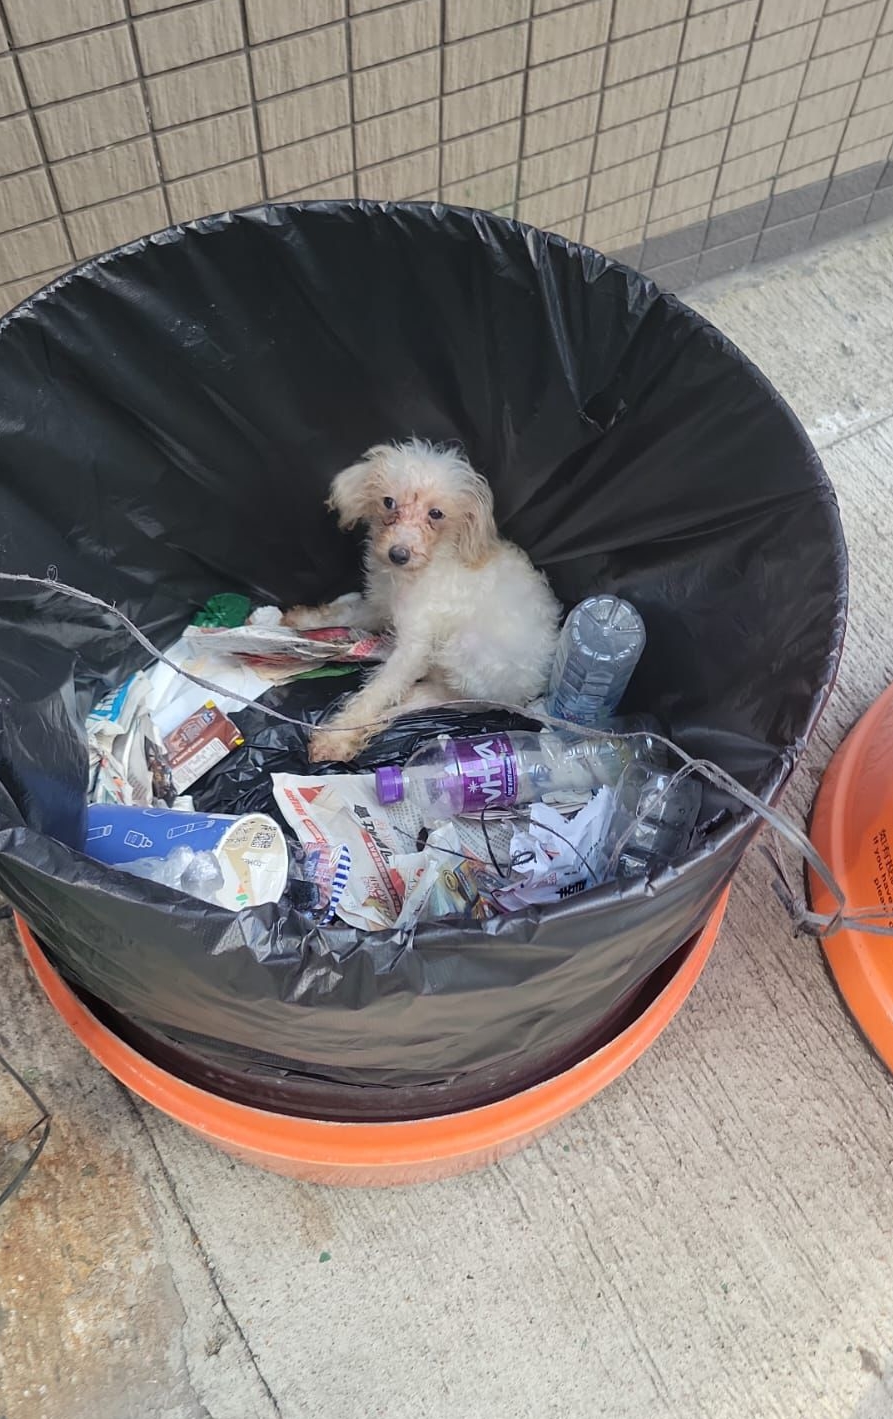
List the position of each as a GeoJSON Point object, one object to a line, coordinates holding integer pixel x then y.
{"type": "Point", "coordinates": [173, 414]}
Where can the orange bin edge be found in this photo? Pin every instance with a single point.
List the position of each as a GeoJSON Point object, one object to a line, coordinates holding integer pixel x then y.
{"type": "Point", "coordinates": [374, 1154]}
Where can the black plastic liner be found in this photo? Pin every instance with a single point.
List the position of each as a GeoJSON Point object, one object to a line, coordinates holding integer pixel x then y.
{"type": "Point", "coordinates": [172, 414]}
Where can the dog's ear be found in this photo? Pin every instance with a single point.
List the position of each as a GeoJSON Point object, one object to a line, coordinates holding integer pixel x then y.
{"type": "Point", "coordinates": [476, 535]}
{"type": "Point", "coordinates": [354, 489]}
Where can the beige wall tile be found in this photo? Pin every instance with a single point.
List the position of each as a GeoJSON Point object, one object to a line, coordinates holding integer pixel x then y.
{"type": "Point", "coordinates": [147, 7]}
{"type": "Point", "coordinates": [702, 116]}
{"type": "Point", "coordinates": [635, 99]}
{"type": "Point", "coordinates": [780, 51]}
{"type": "Point", "coordinates": [199, 91]}
{"type": "Point", "coordinates": [887, 21]}
{"type": "Point", "coordinates": [786, 14]}
{"type": "Point", "coordinates": [607, 221]}
{"type": "Point", "coordinates": [553, 127]}
{"type": "Point", "coordinates": [304, 113]}
{"type": "Point", "coordinates": [379, 139]}
{"type": "Point", "coordinates": [12, 100]}
{"type": "Point", "coordinates": [338, 187]}
{"type": "Point", "coordinates": [865, 127]}
{"type": "Point", "coordinates": [627, 180]}
{"type": "Point", "coordinates": [480, 152]}
{"type": "Point", "coordinates": [75, 66]}
{"type": "Point", "coordinates": [97, 229]}
{"type": "Point", "coordinates": [747, 170]}
{"type": "Point", "coordinates": [661, 225]}
{"type": "Point", "coordinates": [75, 127]}
{"type": "Point", "coordinates": [622, 242]}
{"type": "Point", "coordinates": [832, 6]}
{"type": "Point", "coordinates": [396, 181]}
{"type": "Point", "coordinates": [467, 17]}
{"type": "Point", "coordinates": [112, 172]}
{"type": "Point", "coordinates": [810, 147]}
{"type": "Point", "coordinates": [849, 27]}
{"type": "Point", "coordinates": [679, 196]}
{"type": "Point", "coordinates": [571, 161]}
{"type": "Point", "coordinates": [273, 19]}
{"type": "Point", "coordinates": [643, 53]}
{"type": "Point", "coordinates": [565, 79]}
{"type": "Point", "coordinates": [823, 108]}
{"type": "Point", "coordinates": [389, 34]}
{"type": "Point", "coordinates": [34, 249]}
{"type": "Point", "coordinates": [14, 292]}
{"type": "Point", "coordinates": [694, 156]}
{"type": "Point", "coordinates": [25, 198]}
{"type": "Point", "coordinates": [716, 72]}
{"type": "Point", "coordinates": [305, 59]}
{"type": "Point", "coordinates": [490, 191]}
{"type": "Point", "coordinates": [359, 7]}
{"type": "Point", "coordinates": [876, 151]}
{"type": "Point", "coordinates": [196, 32]}
{"type": "Point", "coordinates": [482, 107]}
{"type": "Point", "coordinates": [582, 26]}
{"type": "Point", "coordinates": [391, 86]}
{"type": "Point", "coordinates": [759, 132]}
{"type": "Point", "coordinates": [719, 29]}
{"type": "Point", "coordinates": [835, 69]}
{"type": "Point", "coordinates": [881, 55]}
{"type": "Point", "coordinates": [18, 145]}
{"type": "Point", "coordinates": [760, 96]}
{"type": "Point", "coordinates": [222, 190]}
{"type": "Point", "coordinates": [486, 56]}
{"type": "Point", "coordinates": [632, 16]}
{"type": "Point", "coordinates": [313, 160]}
{"type": "Point", "coordinates": [872, 92]}
{"type": "Point", "coordinates": [222, 139]}
{"type": "Point", "coordinates": [545, 209]}
{"type": "Point", "coordinates": [802, 177]}
{"type": "Point", "coordinates": [34, 21]}
{"type": "Point", "coordinates": [741, 197]}
{"type": "Point", "coordinates": [621, 145]}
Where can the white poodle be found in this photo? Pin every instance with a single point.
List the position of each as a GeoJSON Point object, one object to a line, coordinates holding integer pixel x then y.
{"type": "Point", "coordinates": [470, 616]}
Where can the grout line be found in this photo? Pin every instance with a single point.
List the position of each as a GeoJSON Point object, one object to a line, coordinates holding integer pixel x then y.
{"type": "Point", "coordinates": [252, 94]}
{"type": "Point", "coordinates": [777, 174]}
{"type": "Point", "coordinates": [678, 65]}
{"type": "Point", "coordinates": [441, 99]}
{"type": "Point", "coordinates": [144, 94]}
{"type": "Point", "coordinates": [522, 129]}
{"type": "Point", "coordinates": [596, 127]}
{"type": "Point", "coordinates": [351, 110]}
{"type": "Point", "coordinates": [38, 136]}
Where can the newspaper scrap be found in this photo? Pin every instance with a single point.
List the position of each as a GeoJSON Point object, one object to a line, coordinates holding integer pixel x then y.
{"type": "Point", "coordinates": [265, 644]}
{"type": "Point", "coordinates": [396, 875]}
{"type": "Point", "coordinates": [555, 857]}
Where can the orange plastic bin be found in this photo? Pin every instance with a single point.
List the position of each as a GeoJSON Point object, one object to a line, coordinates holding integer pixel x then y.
{"type": "Point", "coordinates": [375, 1154]}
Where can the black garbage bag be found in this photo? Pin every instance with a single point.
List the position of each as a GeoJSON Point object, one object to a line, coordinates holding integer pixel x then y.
{"type": "Point", "coordinates": [173, 413]}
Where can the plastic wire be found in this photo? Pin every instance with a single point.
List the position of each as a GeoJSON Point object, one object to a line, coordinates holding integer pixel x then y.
{"type": "Point", "coordinates": [876, 920]}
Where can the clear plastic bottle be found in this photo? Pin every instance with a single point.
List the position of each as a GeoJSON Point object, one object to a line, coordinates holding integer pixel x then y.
{"type": "Point", "coordinates": [598, 650]}
{"type": "Point", "coordinates": [653, 823]}
{"type": "Point", "coordinates": [445, 777]}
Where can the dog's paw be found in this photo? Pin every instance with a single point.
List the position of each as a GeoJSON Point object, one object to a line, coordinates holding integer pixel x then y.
{"type": "Point", "coordinates": [335, 746]}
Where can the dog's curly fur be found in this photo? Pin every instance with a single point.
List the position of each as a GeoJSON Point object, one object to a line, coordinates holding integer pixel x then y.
{"type": "Point", "coordinates": [471, 618]}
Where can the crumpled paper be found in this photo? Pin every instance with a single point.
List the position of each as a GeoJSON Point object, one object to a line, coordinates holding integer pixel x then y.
{"type": "Point", "coordinates": [557, 857]}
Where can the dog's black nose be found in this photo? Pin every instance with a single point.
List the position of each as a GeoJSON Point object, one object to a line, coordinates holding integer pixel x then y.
{"type": "Point", "coordinates": [399, 556]}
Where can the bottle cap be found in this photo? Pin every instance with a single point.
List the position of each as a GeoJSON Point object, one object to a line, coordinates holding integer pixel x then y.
{"type": "Point", "coordinates": [389, 784]}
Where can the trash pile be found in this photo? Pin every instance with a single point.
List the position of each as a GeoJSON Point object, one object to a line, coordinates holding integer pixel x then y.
{"type": "Point", "coordinates": [467, 828]}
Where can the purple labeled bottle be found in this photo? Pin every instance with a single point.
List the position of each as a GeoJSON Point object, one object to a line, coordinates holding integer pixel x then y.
{"type": "Point", "coordinates": [446, 777]}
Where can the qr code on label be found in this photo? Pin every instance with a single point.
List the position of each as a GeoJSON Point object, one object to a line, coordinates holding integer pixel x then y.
{"type": "Point", "coordinates": [263, 837]}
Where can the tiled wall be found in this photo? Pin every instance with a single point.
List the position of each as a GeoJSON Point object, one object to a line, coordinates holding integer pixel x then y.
{"type": "Point", "coordinates": [690, 135]}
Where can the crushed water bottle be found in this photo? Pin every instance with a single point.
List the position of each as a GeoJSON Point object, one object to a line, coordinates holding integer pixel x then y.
{"type": "Point", "coordinates": [655, 819]}
{"type": "Point", "coordinates": [446, 777]}
{"type": "Point", "coordinates": [598, 650]}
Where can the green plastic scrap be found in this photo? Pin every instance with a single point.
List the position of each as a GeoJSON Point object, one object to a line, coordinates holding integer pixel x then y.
{"type": "Point", "coordinates": [228, 609]}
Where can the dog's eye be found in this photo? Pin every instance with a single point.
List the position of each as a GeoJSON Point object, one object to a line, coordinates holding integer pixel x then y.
{"type": "Point", "coordinates": [390, 503]}
{"type": "Point", "coordinates": [435, 514]}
